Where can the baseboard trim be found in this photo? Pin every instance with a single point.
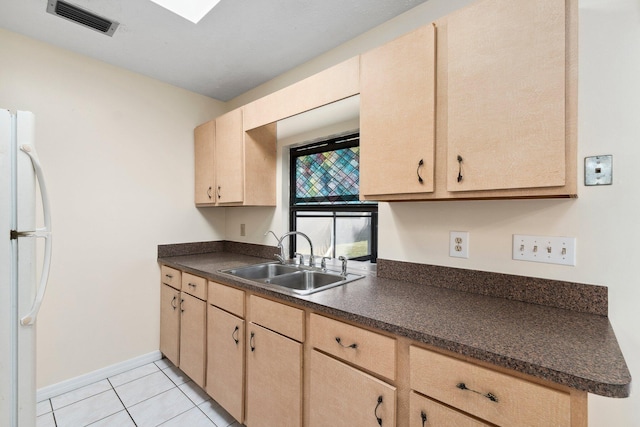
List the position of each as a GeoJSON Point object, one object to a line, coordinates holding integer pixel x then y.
{"type": "Point", "coordinates": [95, 376]}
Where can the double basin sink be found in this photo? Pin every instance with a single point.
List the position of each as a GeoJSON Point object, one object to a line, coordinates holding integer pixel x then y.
{"type": "Point", "coordinates": [296, 279]}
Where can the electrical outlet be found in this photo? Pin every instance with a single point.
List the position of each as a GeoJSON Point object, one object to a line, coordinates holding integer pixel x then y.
{"type": "Point", "coordinates": [552, 250]}
{"type": "Point", "coordinates": [243, 231]}
{"type": "Point", "coordinates": [459, 244]}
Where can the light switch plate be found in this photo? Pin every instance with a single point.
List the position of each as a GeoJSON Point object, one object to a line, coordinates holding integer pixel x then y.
{"type": "Point", "coordinates": [551, 250]}
{"type": "Point", "coordinates": [598, 170]}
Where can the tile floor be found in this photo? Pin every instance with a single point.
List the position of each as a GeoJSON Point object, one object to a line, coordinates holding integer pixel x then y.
{"type": "Point", "coordinates": [157, 394]}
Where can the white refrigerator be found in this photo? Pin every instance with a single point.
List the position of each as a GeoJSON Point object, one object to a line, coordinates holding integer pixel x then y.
{"type": "Point", "coordinates": [21, 292]}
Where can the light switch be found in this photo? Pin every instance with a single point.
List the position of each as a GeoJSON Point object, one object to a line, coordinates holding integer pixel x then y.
{"type": "Point", "coordinates": [598, 170]}
{"type": "Point", "coordinates": [551, 250]}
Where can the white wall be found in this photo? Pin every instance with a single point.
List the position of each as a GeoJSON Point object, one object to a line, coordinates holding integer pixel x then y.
{"type": "Point", "coordinates": [117, 149]}
{"type": "Point", "coordinates": [603, 219]}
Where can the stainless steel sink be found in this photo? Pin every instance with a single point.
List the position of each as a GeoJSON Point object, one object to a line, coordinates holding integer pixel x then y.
{"type": "Point", "coordinates": [261, 271]}
{"type": "Point", "coordinates": [296, 279]}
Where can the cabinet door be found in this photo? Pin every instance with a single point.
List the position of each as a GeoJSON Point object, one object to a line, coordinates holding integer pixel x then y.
{"type": "Point", "coordinates": [506, 95]}
{"type": "Point", "coordinates": [229, 158]}
{"type": "Point", "coordinates": [192, 337]}
{"type": "Point", "coordinates": [204, 143]}
{"type": "Point", "coordinates": [397, 116]}
{"type": "Point", "coordinates": [344, 396]}
{"type": "Point", "coordinates": [424, 412]}
{"type": "Point", "coordinates": [170, 323]}
{"type": "Point", "coordinates": [225, 360]}
{"type": "Point", "coordinates": [274, 379]}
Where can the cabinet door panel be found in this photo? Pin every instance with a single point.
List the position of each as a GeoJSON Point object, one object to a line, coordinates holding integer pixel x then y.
{"type": "Point", "coordinates": [506, 95]}
{"type": "Point", "coordinates": [170, 323]}
{"type": "Point", "coordinates": [229, 158]}
{"type": "Point", "coordinates": [204, 143]}
{"type": "Point", "coordinates": [225, 360]}
{"type": "Point", "coordinates": [397, 115]}
{"type": "Point", "coordinates": [344, 396]}
{"type": "Point", "coordinates": [424, 412]}
{"type": "Point", "coordinates": [274, 379]}
{"type": "Point", "coordinates": [193, 337]}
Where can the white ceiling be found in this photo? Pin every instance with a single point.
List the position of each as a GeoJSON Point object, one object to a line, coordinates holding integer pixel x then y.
{"type": "Point", "coordinates": [239, 45]}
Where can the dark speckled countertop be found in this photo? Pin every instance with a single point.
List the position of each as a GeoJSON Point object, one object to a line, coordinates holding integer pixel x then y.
{"type": "Point", "coordinates": [572, 348]}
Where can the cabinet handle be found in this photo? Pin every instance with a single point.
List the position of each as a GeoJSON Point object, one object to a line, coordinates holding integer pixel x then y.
{"type": "Point", "coordinates": [375, 411]}
{"type": "Point", "coordinates": [235, 333]}
{"type": "Point", "coordinates": [169, 276]}
{"type": "Point", "coordinates": [423, 417]}
{"type": "Point", "coordinates": [459, 168]}
{"type": "Point", "coordinates": [193, 285]}
{"type": "Point", "coordinates": [181, 302]}
{"type": "Point", "coordinates": [492, 397]}
{"type": "Point", "coordinates": [339, 341]}
{"type": "Point", "coordinates": [173, 302]}
{"type": "Point", "coordinates": [253, 347]}
{"type": "Point", "coordinates": [420, 163]}
{"type": "Point", "coordinates": [209, 192]}
{"type": "Point", "coordinates": [219, 188]}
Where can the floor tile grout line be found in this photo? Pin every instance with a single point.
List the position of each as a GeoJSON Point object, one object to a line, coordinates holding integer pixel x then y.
{"type": "Point", "coordinates": [80, 400]}
{"type": "Point", "coordinates": [125, 406]}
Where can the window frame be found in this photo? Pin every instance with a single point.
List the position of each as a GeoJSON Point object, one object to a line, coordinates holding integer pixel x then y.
{"type": "Point", "coordinates": [349, 140]}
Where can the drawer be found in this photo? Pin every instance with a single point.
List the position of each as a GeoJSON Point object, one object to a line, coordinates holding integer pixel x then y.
{"type": "Point", "coordinates": [369, 350]}
{"type": "Point", "coordinates": [194, 285]}
{"type": "Point", "coordinates": [227, 298]}
{"type": "Point", "coordinates": [424, 412]}
{"type": "Point", "coordinates": [283, 319]}
{"type": "Point", "coordinates": [171, 276]}
{"type": "Point", "coordinates": [493, 396]}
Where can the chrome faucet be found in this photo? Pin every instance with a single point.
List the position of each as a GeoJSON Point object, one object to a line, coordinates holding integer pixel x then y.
{"type": "Point", "coordinates": [281, 256]}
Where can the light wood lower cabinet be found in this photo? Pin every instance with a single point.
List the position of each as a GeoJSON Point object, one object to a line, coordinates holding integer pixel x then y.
{"type": "Point", "coordinates": [193, 337]}
{"type": "Point", "coordinates": [342, 396]}
{"type": "Point", "coordinates": [274, 379]}
{"type": "Point", "coordinates": [225, 360]}
{"type": "Point", "coordinates": [170, 323]}
{"type": "Point", "coordinates": [424, 412]}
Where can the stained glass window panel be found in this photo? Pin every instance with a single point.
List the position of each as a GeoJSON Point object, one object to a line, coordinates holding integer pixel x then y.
{"type": "Point", "coordinates": [328, 177]}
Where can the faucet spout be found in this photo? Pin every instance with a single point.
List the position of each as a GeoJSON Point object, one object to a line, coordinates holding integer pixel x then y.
{"type": "Point", "coordinates": [291, 233]}
{"type": "Point", "coordinates": [280, 257]}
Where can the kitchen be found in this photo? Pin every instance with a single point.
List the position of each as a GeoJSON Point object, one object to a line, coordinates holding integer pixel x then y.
{"type": "Point", "coordinates": [130, 188]}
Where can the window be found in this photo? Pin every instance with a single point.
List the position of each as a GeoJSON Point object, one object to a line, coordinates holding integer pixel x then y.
{"type": "Point", "coordinates": [324, 200]}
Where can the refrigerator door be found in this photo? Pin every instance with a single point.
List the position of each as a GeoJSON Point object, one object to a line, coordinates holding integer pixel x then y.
{"type": "Point", "coordinates": [7, 311]}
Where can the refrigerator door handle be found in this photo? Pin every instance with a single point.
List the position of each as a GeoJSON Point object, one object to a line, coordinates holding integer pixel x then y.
{"type": "Point", "coordinates": [44, 232]}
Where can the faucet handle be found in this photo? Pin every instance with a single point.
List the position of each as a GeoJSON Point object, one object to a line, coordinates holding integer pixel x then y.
{"type": "Point", "coordinates": [323, 262]}
{"type": "Point", "coordinates": [344, 265]}
{"type": "Point", "coordinates": [301, 257]}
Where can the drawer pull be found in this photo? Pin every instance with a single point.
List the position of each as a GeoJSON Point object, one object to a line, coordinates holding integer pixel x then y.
{"type": "Point", "coordinates": [234, 334]}
{"type": "Point", "coordinates": [375, 411]}
{"type": "Point", "coordinates": [173, 302]}
{"type": "Point", "coordinates": [169, 276]}
{"type": "Point", "coordinates": [492, 397]}
{"type": "Point", "coordinates": [423, 417]}
{"type": "Point", "coordinates": [339, 341]}
{"type": "Point", "coordinates": [193, 285]}
{"type": "Point", "coordinates": [253, 347]}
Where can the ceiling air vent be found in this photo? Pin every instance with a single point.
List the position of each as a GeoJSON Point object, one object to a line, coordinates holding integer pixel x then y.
{"type": "Point", "coordinates": [82, 17]}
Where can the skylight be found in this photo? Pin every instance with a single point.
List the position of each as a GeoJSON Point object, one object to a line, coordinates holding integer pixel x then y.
{"type": "Point", "coordinates": [193, 10]}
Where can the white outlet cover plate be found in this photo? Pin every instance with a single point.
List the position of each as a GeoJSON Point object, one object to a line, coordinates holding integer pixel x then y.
{"type": "Point", "coordinates": [546, 249]}
{"type": "Point", "coordinates": [459, 244]}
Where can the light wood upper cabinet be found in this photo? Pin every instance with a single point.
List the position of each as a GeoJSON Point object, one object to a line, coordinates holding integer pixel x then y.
{"type": "Point", "coordinates": [233, 167]}
{"type": "Point", "coordinates": [506, 95]}
{"type": "Point", "coordinates": [229, 158]}
{"type": "Point", "coordinates": [397, 116]}
{"type": "Point", "coordinates": [205, 178]}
